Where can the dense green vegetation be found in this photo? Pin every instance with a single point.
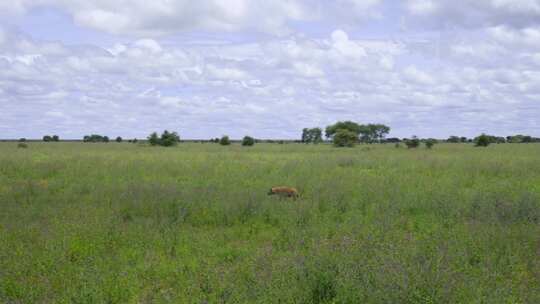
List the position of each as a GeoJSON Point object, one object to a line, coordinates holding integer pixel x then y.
{"type": "Point", "coordinates": [125, 223]}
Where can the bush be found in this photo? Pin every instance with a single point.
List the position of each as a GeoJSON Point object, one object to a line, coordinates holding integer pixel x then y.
{"type": "Point", "coordinates": [167, 139]}
{"type": "Point", "coordinates": [430, 143]}
{"type": "Point", "coordinates": [47, 138]}
{"type": "Point", "coordinates": [412, 143]}
{"type": "Point", "coordinates": [95, 138]}
{"type": "Point", "coordinates": [482, 141]}
{"type": "Point", "coordinates": [22, 145]}
{"type": "Point", "coordinates": [224, 141]}
{"type": "Point", "coordinates": [345, 138]}
{"type": "Point", "coordinates": [248, 141]}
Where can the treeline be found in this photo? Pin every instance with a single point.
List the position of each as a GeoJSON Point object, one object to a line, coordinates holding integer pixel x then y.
{"type": "Point", "coordinates": [341, 134]}
{"type": "Point", "coordinates": [513, 139]}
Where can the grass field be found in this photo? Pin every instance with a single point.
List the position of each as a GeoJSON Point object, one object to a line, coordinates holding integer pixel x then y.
{"type": "Point", "coordinates": [125, 223]}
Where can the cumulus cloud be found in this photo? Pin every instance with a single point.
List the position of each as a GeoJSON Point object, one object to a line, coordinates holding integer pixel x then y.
{"type": "Point", "coordinates": [216, 82]}
{"type": "Point", "coordinates": [473, 13]}
{"type": "Point", "coordinates": [161, 17]}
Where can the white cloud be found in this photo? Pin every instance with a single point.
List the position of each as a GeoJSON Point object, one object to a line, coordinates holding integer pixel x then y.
{"type": "Point", "coordinates": [307, 70]}
{"type": "Point", "coordinates": [206, 83]}
{"type": "Point", "coordinates": [417, 76]}
{"type": "Point", "coordinates": [226, 73]}
{"type": "Point", "coordinates": [473, 13]}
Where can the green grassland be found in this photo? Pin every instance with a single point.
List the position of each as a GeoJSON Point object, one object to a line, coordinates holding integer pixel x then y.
{"type": "Point", "coordinates": [127, 223]}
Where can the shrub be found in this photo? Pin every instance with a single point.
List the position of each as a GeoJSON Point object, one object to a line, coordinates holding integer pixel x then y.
{"type": "Point", "coordinates": [344, 138]}
{"type": "Point", "coordinates": [482, 141]}
{"type": "Point", "coordinates": [153, 139]}
{"type": "Point", "coordinates": [248, 141]}
{"type": "Point", "coordinates": [22, 145]}
{"type": "Point", "coordinates": [430, 143]}
{"type": "Point", "coordinates": [412, 143]}
{"type": "Point", "coordinates": [47, 138]}
{"type": "Point", "coordinates": [95, 138]}
{"type": "Point", "coordinates": [167, 139]}
{"type": "Point", "coordinates": [224, 141]}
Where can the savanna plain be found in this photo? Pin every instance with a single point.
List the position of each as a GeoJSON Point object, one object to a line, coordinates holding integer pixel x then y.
{"type": "Point", "coordinates": [130, 223]}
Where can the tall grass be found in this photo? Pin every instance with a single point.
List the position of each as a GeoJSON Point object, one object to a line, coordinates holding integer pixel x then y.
{"type": "Point", "coordinates": [123, 223]}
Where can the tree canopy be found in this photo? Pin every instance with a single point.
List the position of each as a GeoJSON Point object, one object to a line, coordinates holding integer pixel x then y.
{"type": "Point", "coordinates": [313, 135]}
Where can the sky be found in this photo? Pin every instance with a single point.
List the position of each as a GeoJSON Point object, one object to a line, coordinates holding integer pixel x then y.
{"type": "Point", "coordinates": [268, 68]}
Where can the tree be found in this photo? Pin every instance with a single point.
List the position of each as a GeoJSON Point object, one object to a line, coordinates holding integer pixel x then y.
{"type": "Point", "coordinates": [463, 139]}
{"type": "Point", "coordinates": [153, 139]}
{"type": "Point", "coordinates": [118, 139]}
{"type": "Point", "coordinates": [371, 133]}
{"type": "Point", "coordinates": [22, 139]}
{"type": "Point", "coordinates": [393, 140]}
{"type": "Point", "coordinates": [344, 138]}
{"type": "Point", "coordinates": [47, 138]}
{"type": "Point", "coordinates": [169, 139]}
{"type": "Point", "coordinates": [305, 135]}
{"type": "Point", "coordinates": [248, 141]}
{"type": "Point", "coordinates": [56, 138]}
{"type": "Point", "coordinates": [412, 143]}
{"type": "Point", "coordinates": [453, 139]}
{"type": "Point", "coordinates": [377, 132]}
{"type": "Point", "coordinates": [342, 125]}
{"type": "Point", "coordinates": [430, 142]}
{"type": "Point", "coordinates": [224, 141]}
{"type": "Point", "coordinates": [313, 135]}
{"type": "Point", "coordinates": [482, 140]}
{"type": "Point", "coordinates": [95, 138]}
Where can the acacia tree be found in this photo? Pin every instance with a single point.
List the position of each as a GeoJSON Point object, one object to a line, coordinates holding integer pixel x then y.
{"type": "Point", "coordinates": [371, 133]}
{"type": "Point", "coordinates": [482, 141]}
{"type": "Point", "coordinates": [153, 139]}
{"type": "Point", "coordinates": [430, 142]}
{"type": "Point", "coordinates": [248, 141]}
{"type": "Point", "coordinates": [453, 139]}
{"type": "Point", "coordinates": [351, 126]}
{"type": "Point", "coordinates": [344, 138]}
{"type": "Point", "coordinates": [313, 135]}
{"type": "Point", "coordinates": [225, 141]}
{"type": "Point", "coordinates": [412, 143]}
{"type": "Point", "coordinates": [167, 139]}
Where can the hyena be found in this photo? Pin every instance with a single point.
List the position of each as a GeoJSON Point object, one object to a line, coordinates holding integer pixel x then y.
{"type": "Point", "coordinates": [284, 192]}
